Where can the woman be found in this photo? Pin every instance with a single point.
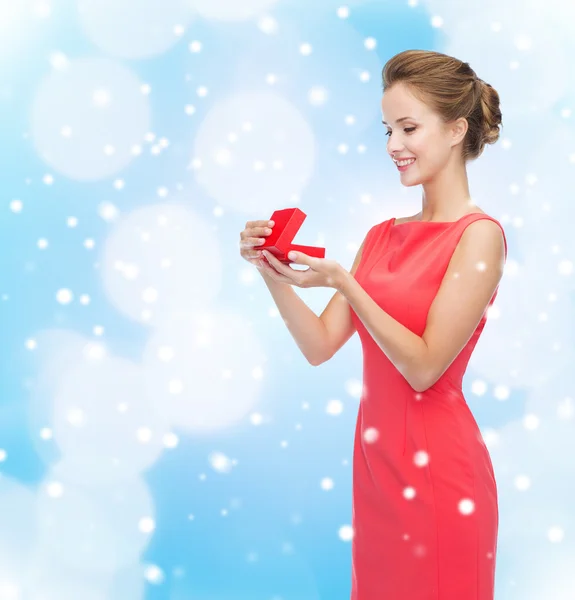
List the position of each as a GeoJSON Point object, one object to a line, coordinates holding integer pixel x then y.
{"type": "Point", "coordinates": [425, 513]}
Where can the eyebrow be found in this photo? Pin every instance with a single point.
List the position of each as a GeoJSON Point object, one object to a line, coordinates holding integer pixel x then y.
{"type": "Point", "coordinates": [400, 120]}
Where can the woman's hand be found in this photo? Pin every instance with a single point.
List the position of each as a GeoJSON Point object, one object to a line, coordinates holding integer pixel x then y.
{"type": "Point", "coordinates": [322, 272]}
{"type": "Point", "coordinates": [250, 239]}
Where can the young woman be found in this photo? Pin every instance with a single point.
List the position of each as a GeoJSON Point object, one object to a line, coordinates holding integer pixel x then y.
{"type": "Point", "coordinates": [425, 513]}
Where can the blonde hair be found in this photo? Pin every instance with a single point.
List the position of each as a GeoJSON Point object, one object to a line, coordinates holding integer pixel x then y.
{"type": "Point", "coordinates": [451, 88]}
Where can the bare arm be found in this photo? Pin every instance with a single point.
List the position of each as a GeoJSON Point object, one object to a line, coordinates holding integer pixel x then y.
{"type": "Point", "coordinates": [468, 285]}
{"type": "Point", "coordinates": [318, 338]}
{"type": "Point", "coordinates": [305, 326]}
{"type": "Point", "coordinates": [337, 317]}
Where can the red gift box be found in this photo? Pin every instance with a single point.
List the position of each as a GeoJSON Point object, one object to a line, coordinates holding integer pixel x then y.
{"type": "Point", "coordinates": [286, 224]}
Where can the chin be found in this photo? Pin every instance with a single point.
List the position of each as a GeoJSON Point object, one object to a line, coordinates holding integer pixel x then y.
{"type": "Point", "coordinates": [410, 183]}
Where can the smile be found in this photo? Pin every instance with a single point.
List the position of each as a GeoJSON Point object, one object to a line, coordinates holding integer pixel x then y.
{"type": "Point", "coordinates": [406, 166]}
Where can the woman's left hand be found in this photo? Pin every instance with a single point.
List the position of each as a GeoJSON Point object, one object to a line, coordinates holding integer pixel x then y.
{"type": "Point", "coordinates": [322, 272]}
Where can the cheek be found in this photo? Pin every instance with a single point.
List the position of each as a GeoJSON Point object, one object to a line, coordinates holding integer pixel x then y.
{"type": "Point", "coordinates": [426, 151]}
{"type": "Point", "coordinates": [417, 146]}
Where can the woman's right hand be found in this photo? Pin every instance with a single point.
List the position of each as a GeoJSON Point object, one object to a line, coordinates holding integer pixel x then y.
{"type": "Point", "coordinates": [253, 236]}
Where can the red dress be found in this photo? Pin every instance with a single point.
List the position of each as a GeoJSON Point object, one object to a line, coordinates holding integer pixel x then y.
{"type": "Point", "coordinates": [425, 514]}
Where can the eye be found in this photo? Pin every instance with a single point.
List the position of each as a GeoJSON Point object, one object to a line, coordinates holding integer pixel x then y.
{"type": "Point", "coordinates": [407, 130]}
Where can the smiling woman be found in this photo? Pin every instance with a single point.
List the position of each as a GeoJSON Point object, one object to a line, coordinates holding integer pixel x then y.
{"type": "Point", "coordinates": [425, 514]}
{"type": "Point", "coordinates": [424, 493]}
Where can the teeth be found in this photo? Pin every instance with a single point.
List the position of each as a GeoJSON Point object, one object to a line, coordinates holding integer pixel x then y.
{"type": "Point", "coordinates": [405, 162]}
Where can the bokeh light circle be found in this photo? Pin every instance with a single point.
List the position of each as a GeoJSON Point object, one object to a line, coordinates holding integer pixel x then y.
{"type": "Point", "coordinates": [87, 117]}
{"type": "Point", "coordinates": [93, 529]}
{"type": "Point", "coordinates": [160, 260]}
{"type": "Point", "coordinates": [204, 371]}
{"type": "Point", "coordinates": [134, 28]}
{"type": "Point", "coordinates": [231, 10]}
{"type": "Point", "coordinates": [256, 151]}
{"type": "Point", "coordinates": [104, 423]}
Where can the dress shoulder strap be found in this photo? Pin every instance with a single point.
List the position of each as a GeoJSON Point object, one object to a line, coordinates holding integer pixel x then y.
{"type": "Point", "coordinates": [466, 220]}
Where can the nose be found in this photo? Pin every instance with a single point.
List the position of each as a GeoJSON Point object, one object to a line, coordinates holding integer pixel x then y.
{"type": "Point", "coordinates": [394, 148]}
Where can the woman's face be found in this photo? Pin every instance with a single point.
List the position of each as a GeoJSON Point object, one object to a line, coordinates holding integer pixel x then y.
{"type": "Point", "coordinates": [422, 135]}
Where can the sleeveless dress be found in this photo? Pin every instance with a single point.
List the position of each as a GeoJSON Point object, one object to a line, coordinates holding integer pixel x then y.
{"type": "Point", "coordinates": [424, 511]}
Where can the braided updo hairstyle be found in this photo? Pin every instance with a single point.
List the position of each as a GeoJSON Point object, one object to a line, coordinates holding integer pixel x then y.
{"type": "Point", "coordinates": [451, 88]}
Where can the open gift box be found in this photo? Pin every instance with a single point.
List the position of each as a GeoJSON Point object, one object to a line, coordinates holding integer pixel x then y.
{"type": "Point", "coordinates": [287, 223]}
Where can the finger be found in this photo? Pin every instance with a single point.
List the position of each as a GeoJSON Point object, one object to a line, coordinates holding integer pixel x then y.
{"type": "Point", "coordinates": [284, 270]}
{"type": "Point", "coordinates": [282, 267]}
{"type": "Point", "coordinates": [249, 251]}
{"type": "Point", "coordinates": [263, 266]}
{"type": "Point", "coordinates": [271, 272]}
{"type": "Point", "coordinates": [265, 230]}
{"type": "Point", "coordinates": [273, 262]}
{"type": "Point", "coordinates": [259, 224]}
{"type": "Point", "coordinates": [279, 266]}
{"type": "Point", "coordinates": [252, 242]}
{"type": "Point", "coordinates": [255, 232]}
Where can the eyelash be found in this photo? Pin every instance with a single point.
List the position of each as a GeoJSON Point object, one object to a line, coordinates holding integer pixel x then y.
{"type": "Point", "coordinates": [410, 129]}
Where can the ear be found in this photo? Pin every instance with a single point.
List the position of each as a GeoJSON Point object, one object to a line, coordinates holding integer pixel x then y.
{"type": "Point", "coordinates": [458, 130]}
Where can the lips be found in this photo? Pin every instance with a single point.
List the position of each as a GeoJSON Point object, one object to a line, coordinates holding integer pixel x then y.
{"type": "Point", "coordinates": [405, 167]}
